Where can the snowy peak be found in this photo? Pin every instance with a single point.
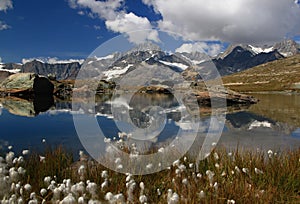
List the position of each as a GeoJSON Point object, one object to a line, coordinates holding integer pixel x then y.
{"type": "Point", "coordinates": [147, 46]}
{"type": "Point", "coordinates": [286, 48]}
{"type": "Point", "coordinates": [52, 60]}
{"type": "Point", "coordinates": [258, 50]}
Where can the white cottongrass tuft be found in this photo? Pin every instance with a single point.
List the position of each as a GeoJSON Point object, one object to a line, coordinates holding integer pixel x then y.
{"type": "Point", "coordinates": [172, 198]}
{"type": "Point", "coordinates": [119, 198]}
{"type": "Point", "coordinates": [104, 184]}
{"type": "Point", "coordinates": [149, 166]}
{"type": "Point", "coordinates": [216, 156]}
{"type": "Point", "coordinates": [108, 196]}
{"type": "Point", "coordinates": [25, 152]}
{"type": "Point", "coordinates": [27, 187]}
{"type": "Point", "coordinates": [245, 170]}
{"type": "Point", "coordinates": [104, 174]}
{"type": "Point", "coordinates": [107, 140]}
{"type": "Point", "coordinates": [216, 186]}
{"type": "Point", "coordinates": [43, 192]}
{"type": "Point", "coordinates": [161, 150]}
{"type": "Point", "coordinates": [42, 159]}
{"type": "Point", "coordinates": [9, 157]}
{"type": "Point", "coordinates": [81, 200]}
{"type": "Point", "coordinates": [258, 171]}
{"type": "Point", "coordinates": [210, 176]}
{"type": "Point", "coordinates": [81, 172]}
{"type": "Point", "coordinates": [143, 199]}
{"type": "Point", "coordinates": [158, 192]}
{"type": "Point", "coordinates": [185, 181]}
{"type": "Point", "coordinates": [20, 160]}
{"type": "Point", "coordinates": [120, 166]}
{"type": "Point", "coordinates": [118, 160]}
{"type": "Point", "coordinates": [182, 167]}
{"type": "Point", "coordinates": [176, 163]}
{"type": "Point", "coordinates": [13, 174]}
{"type": "Point", "coordinates": [47, 180]}
{"type": "Point", "coordinates": [69, 199]}
{"type": "Point", "coordinates": [202, 194]}
{"type": "Point", "coordinates": [270, 153]}
{"type": "Point", "coordinates": [237, 169]}
{"type": "Point", "coordinates": [142, 186]}
{"type": "Point", "coordinates": [231, 201]}
{"type": "Point", "coordinates": [92, 188]}
{"type": "Point", "coordinates": [130, 188]}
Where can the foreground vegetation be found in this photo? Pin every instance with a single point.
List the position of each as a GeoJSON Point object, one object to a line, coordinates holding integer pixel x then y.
{"type": "Point", "coordinates": [224, 177]}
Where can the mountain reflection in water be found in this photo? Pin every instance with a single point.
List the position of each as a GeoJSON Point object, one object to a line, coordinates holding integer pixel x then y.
{"type": "Point", "coordinates": [273, 122]}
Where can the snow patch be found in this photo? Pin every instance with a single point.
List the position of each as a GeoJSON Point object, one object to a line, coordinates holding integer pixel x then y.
{"type": "Point", "coordinates": [258, 50]}
{"type": "Point", "coordinates": [13, 71]}
{"type": "Point", "coordinates": [257, 124]}
{"type": "Point", "coordinates": [174, 64]}
{"type": "Point", "coordinates": [116, 72]}
{"type": "Point", "coordinates": [104, 58]}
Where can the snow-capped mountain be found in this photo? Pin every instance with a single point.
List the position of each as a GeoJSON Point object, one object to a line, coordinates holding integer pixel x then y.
{"type": "Point", "coordinates": [286, 48]}
{"type": "Point", "coordinates": [236, 58]}
{"type": "Point", "coordinates": [147, 57]}
{"type": "Point", "coordinates": [240, 58]}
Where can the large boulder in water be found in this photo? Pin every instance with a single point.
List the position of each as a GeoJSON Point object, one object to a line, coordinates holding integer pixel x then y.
{"type": "Point", "coordinates": [27, 84]}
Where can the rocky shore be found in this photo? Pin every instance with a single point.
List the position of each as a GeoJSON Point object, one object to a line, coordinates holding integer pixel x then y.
{"type": "Point", "coordinates": [29, 85]}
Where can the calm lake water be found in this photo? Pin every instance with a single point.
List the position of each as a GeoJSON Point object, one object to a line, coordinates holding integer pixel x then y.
{"type": "Point", "coordinates": [273, 123]}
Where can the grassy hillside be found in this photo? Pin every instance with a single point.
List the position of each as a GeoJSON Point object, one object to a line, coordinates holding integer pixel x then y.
{"type": "Point", "coordinates": [280, 75]}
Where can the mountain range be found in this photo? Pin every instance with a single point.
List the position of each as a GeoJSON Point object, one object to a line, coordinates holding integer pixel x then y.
{"type": "Point", "coordinates": [235, 59]}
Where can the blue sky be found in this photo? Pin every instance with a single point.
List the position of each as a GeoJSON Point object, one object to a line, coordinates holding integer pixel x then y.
{"type": "Point", "coordinates": [74, 28]}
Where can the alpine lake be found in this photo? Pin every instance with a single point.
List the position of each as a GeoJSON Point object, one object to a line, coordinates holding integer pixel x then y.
{"type": "Point", "coordinates": [273, 123]}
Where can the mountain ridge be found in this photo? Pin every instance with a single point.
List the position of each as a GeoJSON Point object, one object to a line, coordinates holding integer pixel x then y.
{"type": "Point", "coordinates": [235, 59]}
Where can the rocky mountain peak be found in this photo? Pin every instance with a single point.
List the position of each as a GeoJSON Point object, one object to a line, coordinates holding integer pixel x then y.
{"type": "Point", "coordinates": [288, 47]}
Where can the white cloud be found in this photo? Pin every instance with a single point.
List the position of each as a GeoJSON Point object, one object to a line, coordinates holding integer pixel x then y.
{"type": "Point", "coordinates": [104, 9]}
{"type": "Point", "coordinates": [247, 21]}
{"type": "Point", "coordinates": [117, 20]}
{"type": "Point", "coordinates": [6, 4]}
{"type": "Point", "coordinates": [203, 47]}
{"type": "Point", "coordinates": [81, 13]}
{"type": "Point", "coordinates": [4, 26]}
{"type": "Point", "coordinates": [96, 27]}
{"type": "Point", "coordinates": [126, 23]}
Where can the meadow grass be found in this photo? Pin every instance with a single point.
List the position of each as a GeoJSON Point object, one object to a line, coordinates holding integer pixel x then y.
{"type": "Point", "coordinates": [223, 177]}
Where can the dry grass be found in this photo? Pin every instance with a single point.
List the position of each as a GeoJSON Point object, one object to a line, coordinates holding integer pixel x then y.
{"type": "Point", "coordinates": [279, 75]}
